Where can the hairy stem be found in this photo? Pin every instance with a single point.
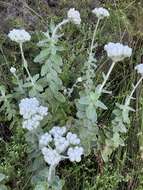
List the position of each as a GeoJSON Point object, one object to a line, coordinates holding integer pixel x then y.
{"type": "Point", "coordinates": [59, 27]}
{"type": "Point", "coordinates": [88, 63]}
{"type": "Point", "coordinates": [25, 64]}
{"type": "Point", "coordinates": [51, 173]}
{"type": "Point", "coordinates": [106, 77]}
{"type": "Point", "coordinates": [93, 39]}
{"type": "Point", "coordinates": [132, 92]}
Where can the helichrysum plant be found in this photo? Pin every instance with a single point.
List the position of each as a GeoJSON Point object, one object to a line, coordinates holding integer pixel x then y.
{"type": "Point", "coordinates": [38, 94]}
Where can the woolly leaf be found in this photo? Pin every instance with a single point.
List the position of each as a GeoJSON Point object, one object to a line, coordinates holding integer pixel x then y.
{"type": "Point", "coordinates": [44, 69]}
{"type": "Point", "coordinates": [3, 187]}
{"type": "Point", "coordinates": [56, 59]}
{"type": "Point", "coordinates": [2, 177]}
{"type": "Point", "coordinates": [39, 88]}
{"type": "Point", "coordinates": [91, 113]}
{"type": "Point", "coordinates": [60, 97]}
{"type": "Point", "coordinates": [41, 186]}
{"type": "Point", "coordinates": [84, 100]}
{"type": "Point", "coordinates": [42, 56]}
{"type": "Point", "coordinates": [35, 77]}
{"type": "Point", "coordinates": [106, 152]}
{"type": "Point", "coordinates": [100, 105]}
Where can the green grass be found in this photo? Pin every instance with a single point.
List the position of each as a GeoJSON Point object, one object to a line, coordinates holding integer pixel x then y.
{"type": "Point", "coordinates": [123, 172]}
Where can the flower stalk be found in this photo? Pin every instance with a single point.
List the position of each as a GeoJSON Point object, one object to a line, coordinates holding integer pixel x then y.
{"type": "Point", "coordinates": [93, 39]}
{"type": "Point", "coordinates": [51, 174]}
{"type": "Point", "coordinates": [25, 64]}
{"type": "Point", "coordinates": [107, 76]}
{"type": "Point", "coordinates": [59, 27]}
{"type": "Point", "coordinates": [132, 92]}
{"type": "Point", "coordinates": [89, 61]}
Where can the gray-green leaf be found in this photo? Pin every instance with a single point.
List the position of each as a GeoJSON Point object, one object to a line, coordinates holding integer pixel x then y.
{"type": "Point", "coordinates": [91, 113]}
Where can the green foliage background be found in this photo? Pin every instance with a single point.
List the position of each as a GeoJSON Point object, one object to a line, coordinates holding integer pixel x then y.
{"type": "Point", "coordinates": [125, 169]}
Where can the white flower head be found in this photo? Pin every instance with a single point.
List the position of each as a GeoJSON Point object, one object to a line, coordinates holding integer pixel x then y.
{"type": "Point", "coordinates": [13, 70]}
{"type": "Point", "coordinates": [75, 154]}
{"type": "Point", "coordinates": [28, 107]}
{"type": "Point", "coordinates": [52, 157]}
{"type": "Point", "coordinates": [32, 113]}
{"type": "Point", "coordinates": [45, 139]}
{"type": "Point", "coordinates": [117, 51]}
{"type": "Point", "coordinates": [101, 12]}
{"type": "Point", "coordinates": [139, 68]}
{"type": "Point", "coordinates": [19, 35]}
{"type": "Point", "coordinates": [30, 124]}
{"type": "Point", "coordinates": [61, 144]}
{"type": "Point", "coordinates": [79, 79]}
{"type": "Point", "coordinates": [58, 131]}
{"type": "Point", "coordinates": [74, 16]}
{"type": "Point", "coordinates": [72, 138]}
{"type": "Point", "coordinates": [43, 111]}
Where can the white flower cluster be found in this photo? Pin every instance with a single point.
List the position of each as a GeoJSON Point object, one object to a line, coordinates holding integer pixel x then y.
{"type": "Point", "coordinates": [51, 156]}
{"type": "Point", "coordinates": [59, 144]}
{"type": "Point", "coordinates": [139, 68]}
{"type": "Point", "coordinates": [74, 16]}
{"type": "Point", "coordinates": [117, 51]}
{"type": "Point", "coordinates": [75, 154]}
{"type": "Point", "coordinates": [58, 131]}
{"type": "Point", "coordinates": [19, 35]}
{"type": "Point", "coordinates": [101, 12]}
{"type": "Point", "coordinates": [13, 70]}
{"type": "Point", "coordinates": [32, 112]}
{"type": "Point", "coordinates": [45, 139]}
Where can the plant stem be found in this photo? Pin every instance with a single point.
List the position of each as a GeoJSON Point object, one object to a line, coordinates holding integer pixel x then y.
{"type": "Point", "coordinates": [132, 92]}
{"type": "Point", "coordinates": [88, 63]}
{"type": "Point", "coordinates": [25, 64]}
{"type": "Point", "coordinates": [58, 27]}
{"type": "Point", "coordinates": [93, 39]}
{"type": "Point", "coordinates": [51, 173]}
{"type": "Point", "coordinates": [106, 77]}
